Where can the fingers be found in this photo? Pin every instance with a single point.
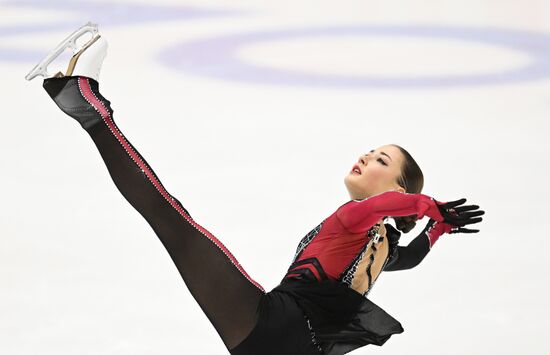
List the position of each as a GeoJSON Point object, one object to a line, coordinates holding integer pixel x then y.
{"type": "Point", "coordinates": [453, 204]}
{"type": "Point", "coordinates": [459, 216]}
{"type": "Point", "coordinates": [464, 230]}
{"type": "Point", "coordinates": [473, 221]}
{"type": "Point", "coordinates": [471, 214]}
{"type": "Point", "coordinates": [466, 208]}
{"type": "Point", "coordinates": [460, 221]}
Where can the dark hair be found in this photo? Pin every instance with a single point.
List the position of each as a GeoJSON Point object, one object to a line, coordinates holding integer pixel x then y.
{"type": "Point", "coordinates": [412, 180]}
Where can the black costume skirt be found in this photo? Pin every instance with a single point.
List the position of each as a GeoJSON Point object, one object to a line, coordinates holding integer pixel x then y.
{"type": "Point", "coordinates": [316, 317]}
{"type": "Point", "coordinates": [282, 329]}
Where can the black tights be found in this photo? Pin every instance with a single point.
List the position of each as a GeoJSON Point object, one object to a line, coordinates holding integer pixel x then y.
{"type": "Point", "coordinates": [224, 291]}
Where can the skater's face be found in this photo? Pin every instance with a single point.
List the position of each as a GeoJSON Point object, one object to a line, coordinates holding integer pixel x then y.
{"type": "Point", "coordinates": [379, 172]}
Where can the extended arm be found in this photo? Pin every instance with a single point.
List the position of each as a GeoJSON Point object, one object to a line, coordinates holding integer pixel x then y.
{"type": "Point", "coordinates": [407, 257]}
{"type": "Point", "coordinates": [360, 216]}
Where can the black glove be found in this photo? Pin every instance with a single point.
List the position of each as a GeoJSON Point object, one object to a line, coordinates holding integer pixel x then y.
{"type": "Point", "coordinates": [459, 216]}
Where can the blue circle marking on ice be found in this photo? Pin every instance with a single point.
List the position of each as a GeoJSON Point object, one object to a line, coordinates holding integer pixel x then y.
{"type": "Point", "coordinates": [218, 57]}
{"type": "Point", "coordinates": [77, 13]}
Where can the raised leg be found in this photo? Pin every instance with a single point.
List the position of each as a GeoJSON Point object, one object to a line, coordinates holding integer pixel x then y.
{"type": "Point", "coordinates": [226, 293]}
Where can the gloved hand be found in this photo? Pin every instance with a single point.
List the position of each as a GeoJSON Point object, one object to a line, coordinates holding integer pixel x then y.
{"type": "Point", "coordinates": [458, 216]}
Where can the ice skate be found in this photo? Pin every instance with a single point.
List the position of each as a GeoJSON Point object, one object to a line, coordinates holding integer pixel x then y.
{"type": "Point", "coordinates": [86, 60]}
{"type": "Point", "coordinates": [76, 92]}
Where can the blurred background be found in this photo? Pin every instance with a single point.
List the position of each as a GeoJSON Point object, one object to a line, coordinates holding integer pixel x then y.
{"type": "Point", "coordinates": [251, 114]}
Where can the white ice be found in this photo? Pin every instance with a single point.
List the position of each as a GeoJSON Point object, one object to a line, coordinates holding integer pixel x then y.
{"type": "Point", "coordinates": [260, 165]}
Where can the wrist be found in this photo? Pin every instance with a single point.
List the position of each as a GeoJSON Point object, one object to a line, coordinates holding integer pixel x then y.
{"type": "Point", "coordinates": [435, 229]}
{"type": "Point", "coordinates": [430, 207]}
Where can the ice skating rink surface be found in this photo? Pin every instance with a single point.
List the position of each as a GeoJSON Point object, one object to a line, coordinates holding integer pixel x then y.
{"type": "Point", "coordinates": [251, 113]}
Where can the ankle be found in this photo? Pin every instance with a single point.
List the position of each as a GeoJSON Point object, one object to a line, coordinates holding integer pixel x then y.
{"type": "Point", "coordinates": [79, 97]}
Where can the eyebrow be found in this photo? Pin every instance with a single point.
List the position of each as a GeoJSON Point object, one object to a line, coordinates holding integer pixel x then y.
{"type": "Point", "coordinates": [372, 151]}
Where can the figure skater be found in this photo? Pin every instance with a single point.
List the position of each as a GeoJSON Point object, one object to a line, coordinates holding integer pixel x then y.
{"type": "Point", "coordinates": [320, 306]}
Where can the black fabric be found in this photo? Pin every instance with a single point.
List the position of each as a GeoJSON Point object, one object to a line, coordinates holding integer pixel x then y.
{"type": "Point", "coordinates": [341, 318]}
{"type": "Point", "coordinates": [405, 257]}
{"type": "Point", "coordinates": [249, 321]}
{"type": "Point", "coordinates": [229, 300]}
{"type": "Point", "coordinates": [459, 216]}
{"type": "Point", "coordinates": [313, 261]}
{"type": "Point", "coordinates": [282, 329]}
{"type": "Point", "coordinates": [67, 96]}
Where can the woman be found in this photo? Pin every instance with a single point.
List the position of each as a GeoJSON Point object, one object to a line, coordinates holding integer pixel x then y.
{"type": "Point", "coordinates": [320, 306]}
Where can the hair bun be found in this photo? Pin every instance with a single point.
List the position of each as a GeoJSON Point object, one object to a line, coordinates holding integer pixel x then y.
{"type": "Point", "coordinates": [405, 224]}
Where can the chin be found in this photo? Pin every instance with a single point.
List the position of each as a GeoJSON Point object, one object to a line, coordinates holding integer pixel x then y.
{"type": "Point", "coordinates": [349, 185]}
{"type": "Point", "coordinates": [354, 191]}
{"type": "Point", "coordinates": [348, 181]}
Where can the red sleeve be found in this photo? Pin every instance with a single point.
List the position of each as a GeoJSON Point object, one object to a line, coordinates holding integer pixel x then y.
{"type": "Point", "coordinates": [360, 216]}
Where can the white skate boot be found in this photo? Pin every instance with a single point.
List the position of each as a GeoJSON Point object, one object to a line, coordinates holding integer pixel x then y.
{"type": "Point", "coordinates": [86, 61]}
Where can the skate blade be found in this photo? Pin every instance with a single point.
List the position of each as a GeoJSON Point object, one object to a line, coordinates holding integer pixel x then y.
{"type": "Point", "coordinates": [75, 57]}
{"type": "Point", "coordinates": [69, 42]}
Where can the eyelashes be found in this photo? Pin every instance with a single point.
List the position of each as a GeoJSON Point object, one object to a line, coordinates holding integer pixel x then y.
{"type": "Point", "coordinates": [380, 160]}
